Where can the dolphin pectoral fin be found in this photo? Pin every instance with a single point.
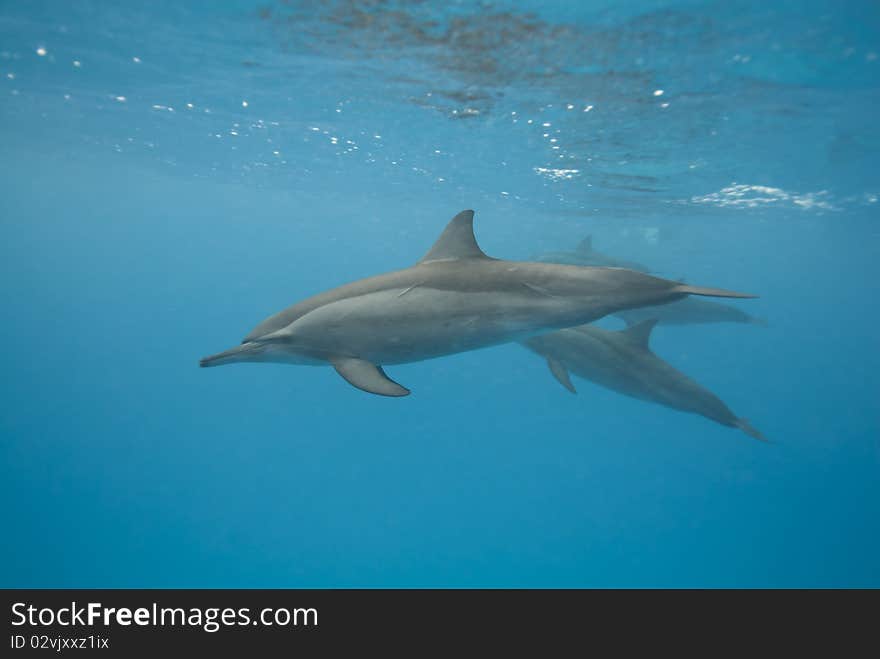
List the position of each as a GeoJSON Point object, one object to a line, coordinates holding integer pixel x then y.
{"type": "Point", "coordinates": [367, 377]}
{"type": "Point", "coordinates": [561, 374]}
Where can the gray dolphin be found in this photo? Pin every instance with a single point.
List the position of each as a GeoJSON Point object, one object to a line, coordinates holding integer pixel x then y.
{"type": "Point", "coordinates": [454, 299]}
{"type": "Point", "coordinates": [623, 361]}
{"type": "Point", "coordinates": [584, 254]}
{"type": "Point", "coordinates": [690, 311]}
{"type": "Point", "coordinates": [687, 311]}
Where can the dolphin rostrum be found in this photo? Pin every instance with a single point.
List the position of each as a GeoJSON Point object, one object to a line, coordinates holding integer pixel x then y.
{"type": "Point", "coordinates": [454, 299]}
{"type": "Point", "coordinates": [623, 361]}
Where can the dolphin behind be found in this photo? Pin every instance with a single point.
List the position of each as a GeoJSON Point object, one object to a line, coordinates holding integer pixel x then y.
{"type": "Point", "coordinates": [455, 299]}
{"type": "Point", "coordinates": [584, 254]}
{"type": "Point", "coordinates": [686, 311]}
{"type": "Point", "coordinates": [624, 362]}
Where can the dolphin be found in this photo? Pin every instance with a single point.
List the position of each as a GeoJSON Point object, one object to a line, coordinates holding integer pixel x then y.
{"type": "Point", "coordinates": [687, 311]}
{"type": "Point", "coordinates": [584, 254]}
{"type": "Point", "coordinates": [690, 311]}
{"type": "Point", "coordinates": [623, 361]}
{"type": "Point", "coordinates": [454, 299]}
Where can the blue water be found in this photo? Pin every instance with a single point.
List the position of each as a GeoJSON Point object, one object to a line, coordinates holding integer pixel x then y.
{"type": "Point", "coordinates": [172, 173]}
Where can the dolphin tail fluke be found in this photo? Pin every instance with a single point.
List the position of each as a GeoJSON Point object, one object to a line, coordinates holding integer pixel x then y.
{"type": "Point", "coordinates": [710, 292]}
{"type": "Point", "coordinates": [750, 430]}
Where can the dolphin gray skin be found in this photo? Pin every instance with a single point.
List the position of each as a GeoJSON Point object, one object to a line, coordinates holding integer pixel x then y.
{"type": "Point", "coordinates": [690, 311]}
{"type": "Point", "coordinates": [623, 361]}
{"type": "Point", "coordinates": [454, 299]}
{"type": "Point", "coordinates": [687, 311]}
{"type": "Point", "coordinates": [584, 254]}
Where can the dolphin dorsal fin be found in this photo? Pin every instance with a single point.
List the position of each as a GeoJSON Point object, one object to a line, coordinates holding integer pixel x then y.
{"type": "Point", "coordinates": [640, 333]}
{"type": "Point", "coordinates": [456, 242]}
{"type": "Point", "coordinates": [585, 246]}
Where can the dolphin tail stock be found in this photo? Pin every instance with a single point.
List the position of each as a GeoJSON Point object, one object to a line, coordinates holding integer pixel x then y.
{"type": "Point", "coordinates": [710, 292]}
{"type": "Point", "coordinates": [761, 322]}
{"type": "Point", "coordinates": [750, 430]}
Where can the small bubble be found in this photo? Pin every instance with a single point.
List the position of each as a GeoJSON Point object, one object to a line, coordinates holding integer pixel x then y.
{"type": "Point", "coordinates": [11, 76]}
{"type": "Point", "coordinates": [121, 99]}
{"type": "Point", "coordinates": [588, 108]}
{"type": "Point", "coordinates": [189, 106]}
{"type": "Point", "coordinates": [136, 60]}
{"type": "Point", "coordinates": [77, 63]}
{"type": "Point", "coordinates": [244, 104]}
{"type": "Point", "coordinates": [41, 51]}
{"type": "Point", "coordinates": [658, 92]}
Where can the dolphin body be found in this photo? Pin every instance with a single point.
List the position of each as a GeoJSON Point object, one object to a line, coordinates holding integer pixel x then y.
{"type": "Point", "coordinates": [687, 311]}
{"type": "Point", "coordinates": [623, 361]}
{"type": "Point", "coordinates": [454, 299]}
{"type": "Point", "coordinates": [584, 254]}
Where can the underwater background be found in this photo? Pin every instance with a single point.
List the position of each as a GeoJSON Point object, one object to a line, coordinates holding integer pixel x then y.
{"type": "Point", "coordinates": [173, 173]}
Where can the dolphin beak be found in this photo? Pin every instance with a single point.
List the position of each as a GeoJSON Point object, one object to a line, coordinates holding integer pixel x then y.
{"type": "Point", "coordinates": [242, 353]}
